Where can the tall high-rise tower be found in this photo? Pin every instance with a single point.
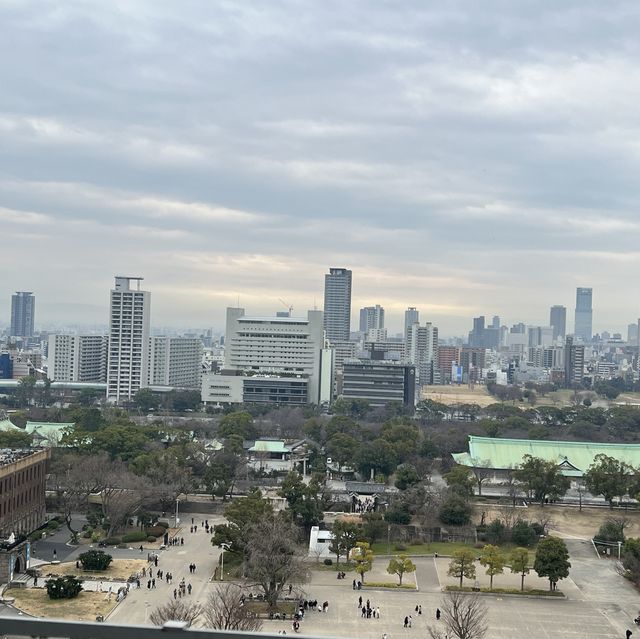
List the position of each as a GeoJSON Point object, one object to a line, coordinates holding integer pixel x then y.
{"type": "Point", "coordinates": [337, 304]}
{"type": "Point", "coordinates": [371, 317]}
{"type": "Point", "coordinates": [411, 316]}
{"type": "Point", "coordinates": [129, 328]}
{"type": "Point", "coordinates": [584, 314]}
{"type": "Point", "coordinates": [23, 312]}
{"type": "Point", "coordinates": [558, 319]}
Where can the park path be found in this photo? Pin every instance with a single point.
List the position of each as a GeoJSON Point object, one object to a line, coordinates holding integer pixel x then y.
{"type": "Point", "coordinates": [139, 604]}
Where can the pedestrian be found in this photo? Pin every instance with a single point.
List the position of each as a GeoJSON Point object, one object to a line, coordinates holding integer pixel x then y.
{"type": "Point", "coordinates": [416, 608]}
{"type": "Point", "coordinates": [438, 613]}
{"type": "Point", "coordinates": [378, 612]}
{"type": "Point", "coordinates": [141, 549]}
{"type": "Point", "coordinates": [195, 528]}
{"type": "Point", "coordinates": [410, 620]}
{"type": "Point", "coordinates": [156, 561]}
{"type": "Point", "coordinates": [384, 635]}
{"type": "Point", "coordinates": [55, 554]}
{"type": "Point", "coordinates": [406, 622]}
{"type": "Point", "coordinates": [192, 521]}
{"type": "Point", "coordinates": [290, 588]}
{"type": "Point", "coordinates": [182, 541]}
{"type": "Point", "coordinates": [153, 582]}
{"type": "Point", "coordinates": [35, 581]}
{"type": "Point", "coordinates": [138, 583]}
{"type": "Point", "coordinates": [149, 584]}
{"type": "Point", "coordinates": [419, 610]}
{"type": "Point", "coordinates": [175, 593]}
{"type": "Point", "coordinates": [191, 529]}
{"type": "Point", "coordinates": [363, 612]}
{"type": "Point", "coordinates": [368, 604]}
{"type": "Point", "coordinates": [194, 567]}
{"type": "Point", "coordinates": [629, 633]}
{"type": "Point", "coordinates": [360, 602]}
{"type": "Point", "coordinates": [354, 584]}
{"type": "Point", "coordinates": [189, 588]}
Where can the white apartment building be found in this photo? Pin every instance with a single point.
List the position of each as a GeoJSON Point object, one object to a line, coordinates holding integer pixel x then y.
{"type": "Point", "coordinates": [129, 328]}
{"type": "Point", "coordinates": [175, 362]}
{"type": "Point", "coordinates": [77, 358]}
{"type": "Point", "coordinates": [279, 359]}
{"type": "Point", "coordinates": [422, 351]}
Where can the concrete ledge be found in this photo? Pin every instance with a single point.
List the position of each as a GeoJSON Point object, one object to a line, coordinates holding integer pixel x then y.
{"type": "Point", "coordinates": [510, 595]}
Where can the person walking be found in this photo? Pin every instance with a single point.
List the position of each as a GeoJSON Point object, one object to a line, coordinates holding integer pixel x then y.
{"type": "Point", "coordinates": [141, 549]}
{"type": "Point", "coordinates": [360, 602]}
{"type": "Point", "coordinates": [153, 582]}
{"type": "Point", "coordinates": [438, 613]}
{"type": "Point", "coordinates": [378, 612]}
{"type": "Point", "coordinates": [149, 584]}
{"type": "Point", "coordinates": [175, 593]}
{"type": "Point", "coordinates": [55, 554]}
{"type": "Point", "coordinates": [419, 610]}
{"type": "Point", "coordinates": [189, 588]}
{"type": "Point", "coordinates": [406, 622]}
{"type": "Point", "coordinates": [410, 620]}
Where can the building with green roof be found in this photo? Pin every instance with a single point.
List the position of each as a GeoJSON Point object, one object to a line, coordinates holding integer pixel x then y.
{"type": "Point", "coordinates": [574, 458]}
{"type": "Point", "coordinates": [48, 433]}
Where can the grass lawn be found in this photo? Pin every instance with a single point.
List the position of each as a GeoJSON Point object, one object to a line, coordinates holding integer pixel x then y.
{"type": "Point", "coordinates": [85, 607]}
{"type": "Point", "coordinates": [343, 567]}
{"type": "Point", "coordinates": [119, 570]}
{"type": "Point", "coordinates": [232, 567]}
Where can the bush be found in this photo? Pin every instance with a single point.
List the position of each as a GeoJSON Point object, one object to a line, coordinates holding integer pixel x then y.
{"type": "Point", "coordinates": [95, 537]}
{"type": "Point", "coordinates": [86, 534]}
{"type": "Point", "coordinates": [64, 587]}
{"type": "Point", "coordinates": [523, 534]}
{"type": "Point", "coordinates": [156, 531]}
{"type": "Point", "coordinates": [95, 560]}
{"type": "Point", "coordinates": [151, 539]}
{"type": "Point", "coordinates": [610, 531]}
{"type": "Point", "coordinates": [399, 547]}
{"type": "Point", "coordinates": [537, 528]}
{"type": "Point", "coordinates": [164, 524]}
{"type": "Point", "coordinates": [455, 511]}
{"type": "Point", "coordinates": [328, 562]}
{"type": "Point", "coordinates": [113, 541]}
{"type": "Point", "coordinates": [134, 536]}
{"type": "Point", "coordinates": [496, 532]}
{"type": "Point", "coordinates": [53, 524]}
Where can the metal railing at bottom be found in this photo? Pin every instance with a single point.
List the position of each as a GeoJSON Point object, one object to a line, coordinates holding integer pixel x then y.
{"type": "Point", "coordinates": [26, 627]}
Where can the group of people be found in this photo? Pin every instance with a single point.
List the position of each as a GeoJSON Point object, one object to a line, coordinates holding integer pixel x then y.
{"type": "Point", "coordinates": [182, 589]}
{"type": "Point", "coordinates": [367, 611]}
{"type": "Point", "coordinates": [357, 585]}
{"type": "Point", "coordinates": [204, 524]}
{"type": "Point", "coordinates": [192, 568]}
{"type": "Point", "coordinates": [366, 505]}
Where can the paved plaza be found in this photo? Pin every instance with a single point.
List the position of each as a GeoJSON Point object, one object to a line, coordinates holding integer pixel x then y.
{"type": "Point", "coordinates": [600, 604]}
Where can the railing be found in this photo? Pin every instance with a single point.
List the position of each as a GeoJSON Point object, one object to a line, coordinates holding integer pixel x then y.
{"type": "Point", "coordinates": [24, 627]}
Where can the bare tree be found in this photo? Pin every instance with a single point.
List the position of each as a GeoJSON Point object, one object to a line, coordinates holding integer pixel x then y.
{"type": "Point", "coordinates": [175, 610]}
{"type": "Point", "coordinates": [225, 610]}
{"type": "Point", "coordinates": [274, 558]}
{"type": "Point", "coordinates": [481, 471]}
{"type": "Point", "coordinates": [463, 616]}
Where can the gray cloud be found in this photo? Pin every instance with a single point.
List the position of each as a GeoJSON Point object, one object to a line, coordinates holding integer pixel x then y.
{"type": "Point", "coordinates": [466, 158]}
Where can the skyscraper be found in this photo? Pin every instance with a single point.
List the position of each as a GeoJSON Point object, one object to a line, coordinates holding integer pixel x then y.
{"type": "Point", "coordinates": [371, 317]}
{"type": "Point", "coordinates": [411, 316]}
{"type": "Point", "coordinates": [23, 312]}
{"type": "Point", "coordinates": [584, 314]}
{"type": "Point", "coordinates": [558, 319]}
{"type": "Point", "coordinates": [337, 304]}
{"type": "Point", "coordinates": [129, 328]}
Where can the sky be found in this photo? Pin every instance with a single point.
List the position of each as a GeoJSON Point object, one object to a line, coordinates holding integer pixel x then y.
{"type": "Point", "coordinates": [465, 158]}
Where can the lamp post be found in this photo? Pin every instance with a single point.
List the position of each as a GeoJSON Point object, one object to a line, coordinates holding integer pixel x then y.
{"type": "Point", "coordinates": [224, 547]}
{"type": "Point", "coordinates": [177, 502]}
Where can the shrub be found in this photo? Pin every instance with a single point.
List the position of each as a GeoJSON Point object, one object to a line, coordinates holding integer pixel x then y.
{"type": "Point", "coordinates": [328, 562]}
{"type": "Point", "coordinates": [400, 547]}
{"type": "Point", "coordinates": [455, 511]}
{"type": "Point", "coordinates": [95, 537]}
{"type": "Point", "coordinates": [133, 536]}
{"type": "Point", "coordinates": [496, 532]}
{"type": "Point", "coordinates": [64, 587]}
{"type": "Point", "coordinates": [537, 528]}
{"type": "Point", "coordinates": [95, 560]}
{"type": "Point", "coordinates": [53, 524]}
{"type": "Point", "coordinates": [113, 541]}
{"type": "Point", "coordinates": [523, 534]}
{"type": "Point", "coordinates": [86, 534]}
{"type": "Point", "coordinates": [151, 539]}
{"type": "Point", "coordinates": [164, 524]}
{"type": "Point", "coordinates": [156, 531]}
{"type": "Point", "coordinates": [610, 531]}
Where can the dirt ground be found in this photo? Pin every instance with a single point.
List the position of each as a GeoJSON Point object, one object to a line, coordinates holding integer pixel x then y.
{"type": "Point", "coordinates": [462, 394]}
{"type": "Point", "coordinates": [85, 607]}
{"type": "Point", "coordinates": [566, 521]}
{"type": "Point", "coordinates": [119, 570]}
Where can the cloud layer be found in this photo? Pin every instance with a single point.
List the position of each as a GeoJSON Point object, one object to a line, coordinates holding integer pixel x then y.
{"type": "Point", "coordinates": [466, 158]}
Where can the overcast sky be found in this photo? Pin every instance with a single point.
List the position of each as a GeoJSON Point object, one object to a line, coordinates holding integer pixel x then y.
{"type": "Point", "coordinates": [462, 157]}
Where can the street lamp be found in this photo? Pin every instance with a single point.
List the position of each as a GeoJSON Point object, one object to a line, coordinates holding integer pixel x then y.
{"type": "Point", "coordinates": [177, 520]}
{"type": "Point", "coordinates": [224, 547]}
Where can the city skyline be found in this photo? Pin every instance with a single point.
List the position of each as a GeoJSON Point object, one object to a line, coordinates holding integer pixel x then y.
{"type": "Point", "coordinates": [386, 139]}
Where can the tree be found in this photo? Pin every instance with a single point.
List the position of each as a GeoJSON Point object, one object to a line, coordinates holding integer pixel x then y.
{"type": "Point", "coordinates": [373, 527]}
{"type": "Point", "coordinates": [542, 479]}
{"type": "Point", "coordinates": [462, 565]}
{"type": "Point", "coordinates": [345, 537]}
{"type": "Point", "coordinates": [406, 476]}
{"type": "Point", "coordinates": [608, 477]}
{"type": "Point", "coordinates": [15, 439]}
{"type": "Point", "coordinates": [455, 511]}
{"type": "Point", "coordinates": [67, 587]}
{"type": "Point", "coordinates": [520, 563]}
{"type": "Point", "coordinates": [239, 424]}
{"type": "Point", "coordinates": [399, 565]}
{"type": "Point", "coordinates": [274, 558]}
{"type": "Point", "coordinates": [463, 616]}
{"type": "Point", "coordinates": [305, 500]}
{"type": "Point", "coordinates": [146, 400]}
{"type": "Point", "coordinates": [363, 558]}
{"type": "Point", "coordinates": [225, 611]}
{"type": "Point", "coordinates": [552, 560]}
{"type": "Point", "coordinates": [95, 560]}
{"type": "Point", "coordinates": [242, 514]}
{"type": "Point", "coordinates": [378, 456]}
{"type": "Point", "coordinates": [26, 391]}
{"type": "Point", "coordinates": [460, 481]}
{"type": "Point", "coordinates": [481, 471]}
{"type": "Point", "coordinates": [523, 534]}
{"type": "Point", "coordinates": [342, 447]}
{"type": "Point", "coordinates": [493, 560]}
{"type": "Point", "coordinates": [221, 473]}
{"type": "Point", "coordinates": [175, 610]}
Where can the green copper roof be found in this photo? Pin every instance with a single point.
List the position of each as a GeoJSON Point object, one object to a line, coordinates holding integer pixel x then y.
{"type": "Point", "coordinates": [268, 446]}
{"type": "Point", "coordinates": [5, 424]}
{"type": "Point", "coordinates": [45, 428]}
{"type": "Point", "coordinates": [575, 457]}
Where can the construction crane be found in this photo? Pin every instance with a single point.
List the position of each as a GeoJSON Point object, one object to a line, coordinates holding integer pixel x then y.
{"type": "Point", "coordinates": [288, 306]}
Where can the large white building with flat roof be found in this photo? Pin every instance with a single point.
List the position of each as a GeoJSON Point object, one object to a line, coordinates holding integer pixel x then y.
{"type": "Point", "coordinates": [77, 358]}
{"type": "Point", "coordinates": [175, 362]}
